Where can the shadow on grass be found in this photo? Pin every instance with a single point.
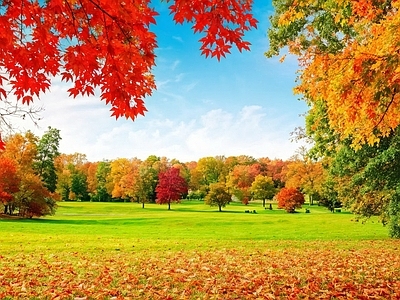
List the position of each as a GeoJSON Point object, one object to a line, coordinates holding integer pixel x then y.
{"type": "Point", "coordinates": [110, 219]}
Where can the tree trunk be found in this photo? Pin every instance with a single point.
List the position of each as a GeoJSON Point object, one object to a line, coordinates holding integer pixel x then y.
{"type": "Point", "coordinates": [263, 202]}
{"type": "Point", "coordinates": [143, 204]}
{"type": "Point", "coordinates": [220, 208]}
{"type": "Point", "coordinates": [169, 205]}
{"type": "Point", "coordinates": [311, 199]}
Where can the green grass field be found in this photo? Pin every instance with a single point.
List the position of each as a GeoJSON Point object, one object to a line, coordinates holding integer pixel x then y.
{"type": "Point", "coordinates": [83, 239]}
{"type": "Point", "coordinates": [189, 225]}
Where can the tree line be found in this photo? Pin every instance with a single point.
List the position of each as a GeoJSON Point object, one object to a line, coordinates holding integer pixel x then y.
{"type": "Point", "coordinates": [34, 176]}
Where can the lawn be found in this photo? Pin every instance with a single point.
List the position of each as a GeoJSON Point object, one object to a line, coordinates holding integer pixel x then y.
{"type": "Point", "coordinates": [121, 251]}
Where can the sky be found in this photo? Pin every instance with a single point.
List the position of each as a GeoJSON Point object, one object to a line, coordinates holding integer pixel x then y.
{"type": "Point", "coordinates": [241, 105]}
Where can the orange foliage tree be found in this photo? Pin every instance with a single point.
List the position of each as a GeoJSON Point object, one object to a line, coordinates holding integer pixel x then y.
{"type": "Point", "coordinates": [290, 199]}
{"type": "Point", "coordinates": [32, 198]}
{"type": "Point", "coordinates": [240, 179]}
{"type": "Point", "coordinates": [306, 174]}
{"type": "Point", "coordinates": [9, 182]}
{"type": "Point", "coordinates": [350, 59]}
{"type": "Point", "coordinates": [104, 44]}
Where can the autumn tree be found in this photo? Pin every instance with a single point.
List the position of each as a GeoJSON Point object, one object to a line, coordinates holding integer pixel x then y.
{"type": "Point", "coordinates": [194, 185]}
{"type": "Point", "coordinates": [118, 169]}
{"type": "Point", "coordinates": [276, 170]}
{"type": "Point", "coordinates": [240, 179]}
{"type": "Point", "coordinates": [290, 199]}
{"type": "Point", "coordinates": [349, 59]}
{"type": "Point", "coordinates": [9, 183]}
{"type": "Point", "coordinates": [32, 198]}
{"type": "Point", "coordinates": [171, 187]}
{"type": "Point", "coordinates": [349, 76]}
{"type": "Point", "coordinates": [22, 148]}
{"type": "Point", "coordinates": [218, 195]}
{"type": "Point", "coordinates": [305, 173]}
{"type": "Point", "coordinates": [105, 45]}
{"type": "Point", "coordinates": [70, 172]}
{"type": "Point", "coordinates": [263, 188]}
{"type": "Point", "coordinates": [90, 169]}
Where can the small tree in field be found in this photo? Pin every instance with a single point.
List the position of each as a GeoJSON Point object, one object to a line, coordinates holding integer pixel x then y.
{"type": "Point", "coordinates": [263, 188]}
{"type": "Point", "coordinates": [218, 195]}
{"type": "Point", "coordinates": [289, 199]}
{"type": "Point", "coordinates": [171, 186]}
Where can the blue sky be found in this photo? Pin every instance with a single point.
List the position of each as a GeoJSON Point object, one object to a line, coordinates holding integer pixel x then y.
{"type": "Point", "coordinates": [241, 105]}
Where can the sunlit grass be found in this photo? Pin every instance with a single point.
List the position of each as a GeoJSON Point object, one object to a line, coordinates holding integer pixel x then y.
{"type": "Point", "coordinates": [80, 226]}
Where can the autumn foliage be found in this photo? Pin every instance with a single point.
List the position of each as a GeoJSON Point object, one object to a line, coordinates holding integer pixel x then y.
{"type": "Point", "coordinates": [215, 274]}
{"type": "Point", "coordinates": [290, 199]}
{"type": "Point", "coordinates": [171, 187]}
{"type": "Point", "coordinates": [349, 57]}
{"type": "Point", "coordinates": [104, 44]}
{"type": "Point", "coordinates": [23, 189]}
{"type": "Point", "coordinates": [9, 180]}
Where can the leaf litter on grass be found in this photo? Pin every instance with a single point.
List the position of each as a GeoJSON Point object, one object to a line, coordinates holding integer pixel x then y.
{"type": "Point", "coordinates": [328, 272]}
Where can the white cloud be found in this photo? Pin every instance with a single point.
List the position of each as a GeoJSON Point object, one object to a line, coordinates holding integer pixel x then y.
{"type": "Point", "coordinates": [86, 127]}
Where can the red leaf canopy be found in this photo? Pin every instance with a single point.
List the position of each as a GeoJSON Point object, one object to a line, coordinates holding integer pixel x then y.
{"type": "Point", "coordinates": [9, 180]}
{"type": "Point", "coordinates": [170, 186]}
{"type": "Point", "coordinates": [104, 44]}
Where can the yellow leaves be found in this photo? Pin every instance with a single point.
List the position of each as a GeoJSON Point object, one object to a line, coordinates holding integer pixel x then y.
{"type": "Point", "coordinates": [291, 15]}
{"type": "Point", "coordinates": [359, 84]}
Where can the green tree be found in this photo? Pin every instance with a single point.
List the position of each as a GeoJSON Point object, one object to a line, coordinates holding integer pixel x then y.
{"type": "Point", "coordinates": [47, 151]}
{"type": "Point", "coordinates": [102, 174]}
{"type": "Point", "coordinates": [79, 186]}
{"type": "Point", "coordinates": [146, 184]}
{"type": "Point", "coordinates": [218, 195]}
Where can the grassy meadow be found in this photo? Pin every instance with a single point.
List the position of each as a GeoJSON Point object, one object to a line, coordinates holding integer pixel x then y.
{"type": "Point", "coordinates": [121, 251]}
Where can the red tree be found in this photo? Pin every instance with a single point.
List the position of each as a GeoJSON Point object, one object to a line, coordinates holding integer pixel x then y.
{"type": "Point", "coordinates": [290, 199]}
{"type": "Point", "coordinates": [171, 186]}
{"type": "Point", "coordinates": [9, 181]}
{"type": "Point", "coordinates": [104, 44]}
